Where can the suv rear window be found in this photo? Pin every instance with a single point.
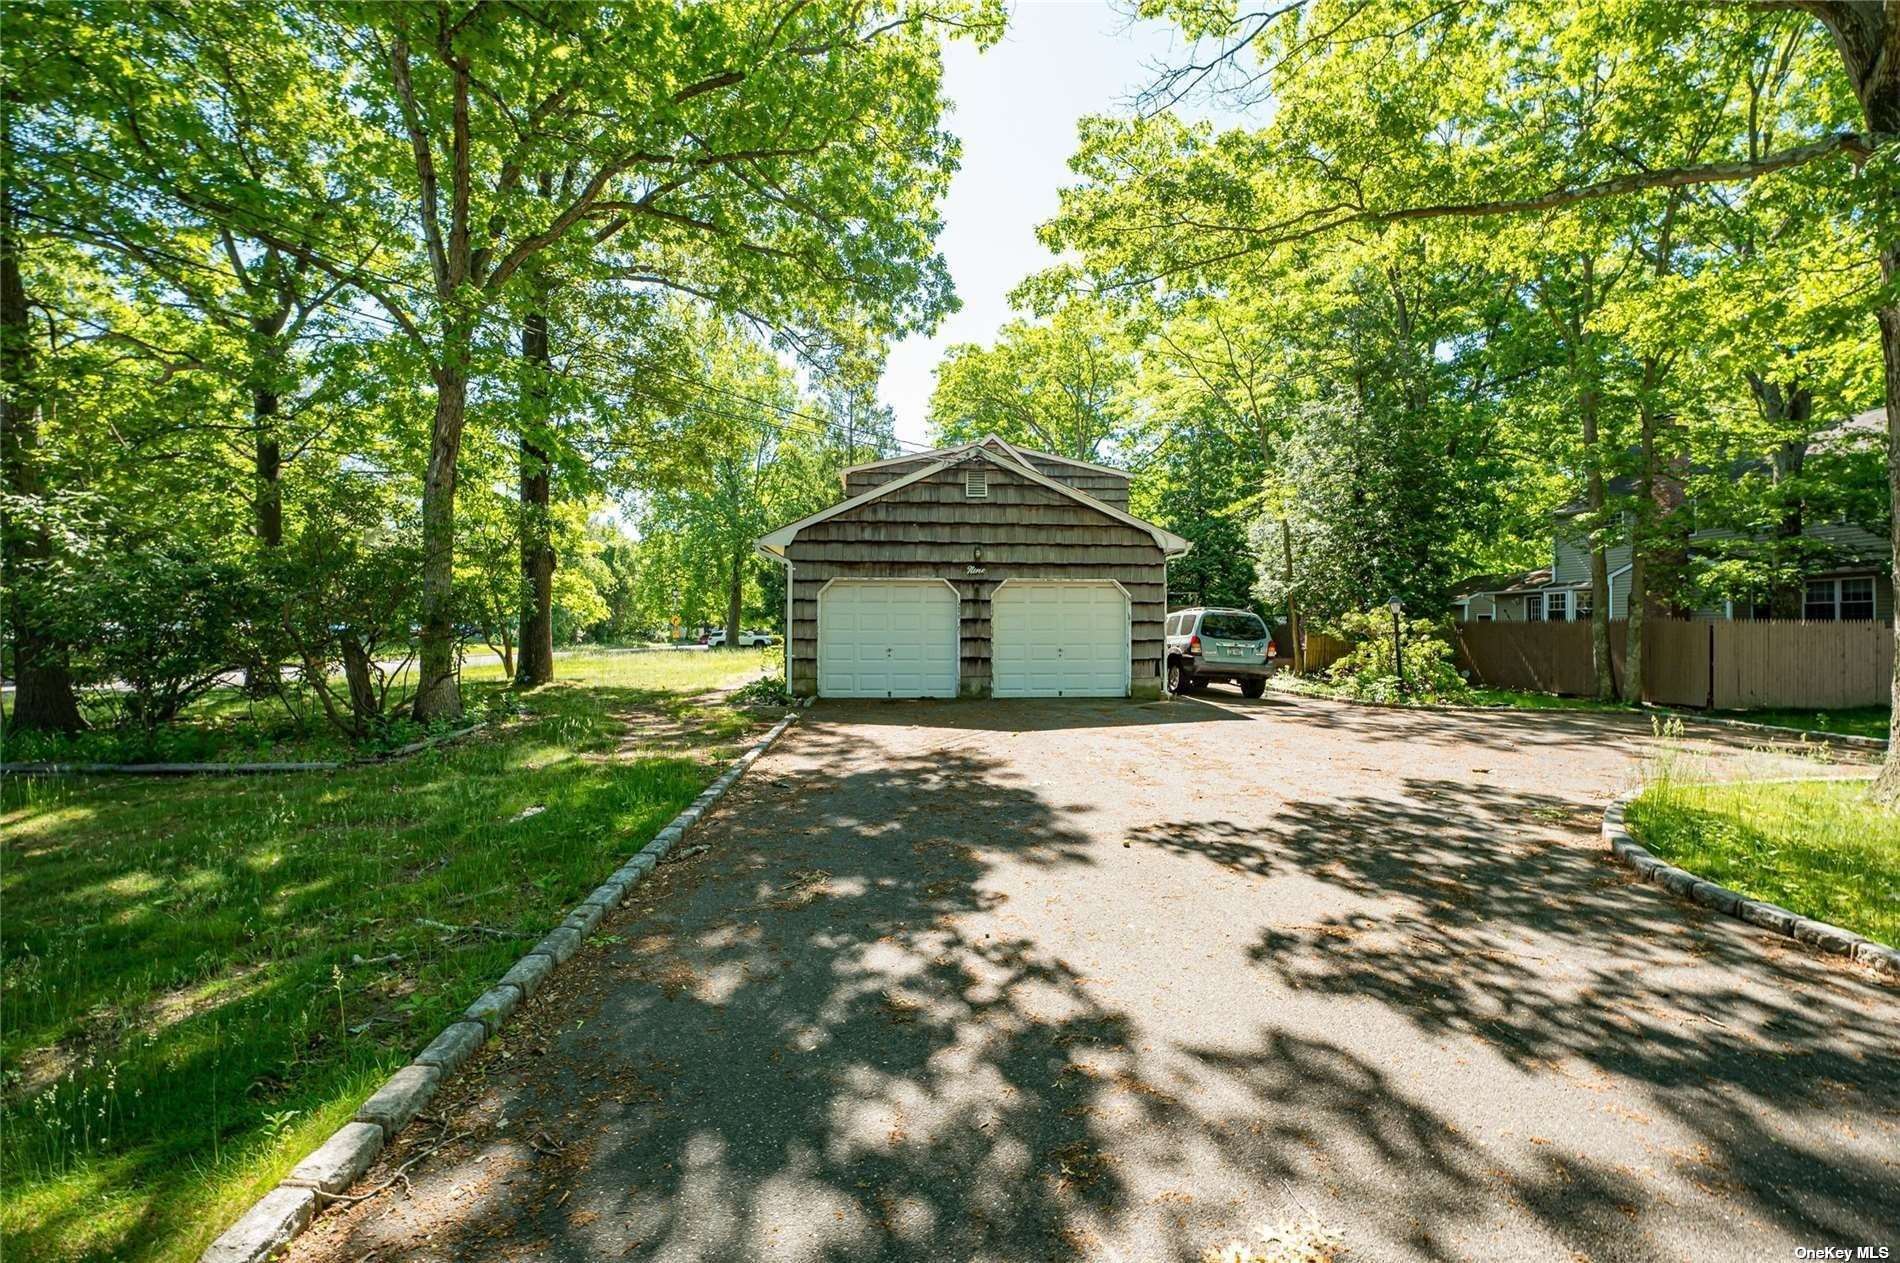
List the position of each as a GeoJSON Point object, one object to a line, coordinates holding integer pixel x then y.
{"type": "Point", "coordinates": [1233, 627]}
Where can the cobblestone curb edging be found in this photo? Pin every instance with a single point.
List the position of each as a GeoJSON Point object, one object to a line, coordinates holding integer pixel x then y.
{"type": "Point", "coordinates": [1883, 960]}
{"type": "Point", "coordinates": [279, 1215]}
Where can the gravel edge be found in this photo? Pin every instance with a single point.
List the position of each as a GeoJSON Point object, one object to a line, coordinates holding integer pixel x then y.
{"type": "Point", "coordinates": [1884, 961]}
{"type": "Point", "coordinates": [286, 1210]}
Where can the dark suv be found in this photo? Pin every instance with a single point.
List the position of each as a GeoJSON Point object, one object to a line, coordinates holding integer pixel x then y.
{"type": "Point", "coordinates": [1213, 644]}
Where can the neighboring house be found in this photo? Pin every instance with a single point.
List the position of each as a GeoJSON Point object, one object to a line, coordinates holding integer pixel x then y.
{"type": "Point", "coordinates": [1504, 598]}
{"type": "Point", "coordinates": [1853, 583]}
{"type": "Point", "coordinates": [982, 570]}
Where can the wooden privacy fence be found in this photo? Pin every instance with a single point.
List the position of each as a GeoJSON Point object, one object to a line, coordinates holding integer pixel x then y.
{"type": "Point", "coordinates": [1323, 650]}
{"type": "Point", "coordinates": [1728, 666]}
{"type": "Point", "coordinates": [1802, 664]}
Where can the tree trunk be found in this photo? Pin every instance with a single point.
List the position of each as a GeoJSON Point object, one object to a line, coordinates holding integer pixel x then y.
{"type": "Point", "coordinates": [269, 503]}
{"type": "Point", "coordinates": [1292, 602]}
{"type": "Point", "coordinates": [735, 598]}
{"type": "Point", "coordinates": [43, 697]}
{"type": "Point", "coordinates": [1602, 667]}
{"type": "Point", "coordinates": [1783, 407]}
{"type": "Point", "coordinates": [1880, 105]}
{"type": "Point", "coordinates": [267, 510]}
{"type": "Point", "coordinates": [365, 704]}
{"type": "Point", "coordinates": [1635, 682]}
{"type": "Point", "coordinates": [537, 533]}
{"type": "Point", "coordinates": [268, 355]}
{"type": "Point", "coordinates": [1887, 786]}
{"type": "Point", "coordinates": [438, 689]}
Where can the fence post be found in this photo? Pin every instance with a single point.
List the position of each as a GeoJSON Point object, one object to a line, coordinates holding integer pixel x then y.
{"type": "Point", "coordinates": [1709, 700]}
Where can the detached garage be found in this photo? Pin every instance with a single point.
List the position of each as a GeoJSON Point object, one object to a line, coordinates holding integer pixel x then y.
{"type": "Point", "coordinates": [984, 570]}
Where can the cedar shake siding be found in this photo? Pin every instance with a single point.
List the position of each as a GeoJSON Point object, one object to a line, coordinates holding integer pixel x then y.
{"type": "Point", "coordinates": [1108, 486]}
{"type": "Point", "coordinates": [931, 528]}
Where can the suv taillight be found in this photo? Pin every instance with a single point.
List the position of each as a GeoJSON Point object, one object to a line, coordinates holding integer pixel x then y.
{"type": "Point", "coordinates": [1194, 645]}
{"type": "Point", "coordinates": [1272, 650]}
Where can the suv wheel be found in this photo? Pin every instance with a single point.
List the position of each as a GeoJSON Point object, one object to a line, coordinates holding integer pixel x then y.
{"type": "Point", "coordinates": [1252, 688]}
{"type": "Point", "coordinates": [1177, 679]}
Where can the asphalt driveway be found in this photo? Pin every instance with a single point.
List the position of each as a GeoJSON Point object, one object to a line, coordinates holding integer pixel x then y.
{"type": "Point", "coordinates": [1013, 981]}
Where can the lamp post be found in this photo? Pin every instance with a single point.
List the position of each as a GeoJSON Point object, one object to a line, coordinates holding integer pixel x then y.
{"type": "Point", "coordinates": [1398, 657]}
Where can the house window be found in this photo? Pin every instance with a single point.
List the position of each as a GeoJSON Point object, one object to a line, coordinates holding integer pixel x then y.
{"type": "Point", "coordinates": [1557, 606]}
{"type": "Point", "coordinates": [1534, 607]}
{"type": "Point", "coordinates": [976, 483]}
{"type": "Point", "coordinates": [1829, 600]}
{"type": "Point", "coordinates": [1585, 603]}
{"type": "Point", "coordinates": [1857, 598]}
{"type": "Point", "coordinates": [1484, 618]}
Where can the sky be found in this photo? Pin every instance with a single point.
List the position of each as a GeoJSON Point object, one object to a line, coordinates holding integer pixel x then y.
{"type": "Point", "coordinates": [1015, 109]}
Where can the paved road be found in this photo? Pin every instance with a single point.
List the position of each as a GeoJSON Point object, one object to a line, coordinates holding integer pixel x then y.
{"type": "Point", "coordinates": [1012, 981]}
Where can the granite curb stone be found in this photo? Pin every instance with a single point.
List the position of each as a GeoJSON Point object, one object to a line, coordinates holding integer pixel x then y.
{"type": "Point", "coordinates": [608, 894]}
{"type": "Point", "coordinates": [529, 973]}
{"type": "Point", "coordinates": [1883, 960]}
{"type": "Point", "coordinates": [403, 1095]}
{"type": "Point", "coordinates": [286, 1210]}
{"type": "Point", "coordinates": [266, 1227]}
{"type": "Point", "coordinates": [493, 1006]}
{"type": "Point", "coordinates": [585, 918]}
{"type": "Point", "coordinates": [341, 1160]}
{"type": "Point", "coordinates": [456, 1044]}
{"type": "Point", "coordinates": [561, 944]}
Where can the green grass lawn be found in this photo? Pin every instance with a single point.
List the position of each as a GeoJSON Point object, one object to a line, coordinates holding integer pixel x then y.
{"type": "Point", "coordinates": [226, 725]}
{"type": "Point", "coordinates": [1854, 721]}
{"type": "Point", "coordinates": [1517, 699]}
{"type": "Point", "coordinates": [1523, 699]}
{"type": "Point", "coordinates": [1818, 848]}
{"type": "Point", "coordinates": [1859, 721]}
{"type": "Point", "coordinates": [182, 1020]}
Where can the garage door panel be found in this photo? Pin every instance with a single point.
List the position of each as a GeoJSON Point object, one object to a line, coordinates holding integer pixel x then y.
{"type": "Point", "coordinates": [887, 638]}
{"type": "Point", "coordinates": [1059, 640]}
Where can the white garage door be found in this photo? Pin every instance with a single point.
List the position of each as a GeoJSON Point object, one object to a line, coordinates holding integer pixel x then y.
{"type": "Point", "coordinates": [1059, 640]}
{"type": "Point", "coordinates": [887, 638]}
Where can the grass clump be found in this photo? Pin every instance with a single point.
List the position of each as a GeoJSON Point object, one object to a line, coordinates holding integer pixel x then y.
{"type": "Point", "coordinates": [1852, 721]}
{"type": "Point", "coordinates": [1822, 849]}
{"type": "Point", "coordinates": [205, 976]}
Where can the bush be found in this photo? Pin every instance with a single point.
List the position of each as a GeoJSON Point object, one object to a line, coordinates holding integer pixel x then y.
{"type": "Point", "coordinates": [163, 625]}
{"type": "Point", "coordinates": [770, 688]}
{"type": "Point", "coordinates": [1366, 672]}
{"type": "Point", "coordinates": [767, 690]}
{"type": "Point", "coordinates": [343, 590]}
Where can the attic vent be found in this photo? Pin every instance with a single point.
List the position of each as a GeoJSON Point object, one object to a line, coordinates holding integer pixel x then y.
{"type": "Point", "coordinates": [976, 483]}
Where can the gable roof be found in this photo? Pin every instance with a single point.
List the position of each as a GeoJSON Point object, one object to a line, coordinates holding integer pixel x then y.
{"type": "Point", "coordinates": [1864, 431]}
{"type": "Point", "coordinates": [774, 543]}
{"type": "Point", "coordinates": [1510, 584]}
{"type": "Point", "coordinates": [991, 442]}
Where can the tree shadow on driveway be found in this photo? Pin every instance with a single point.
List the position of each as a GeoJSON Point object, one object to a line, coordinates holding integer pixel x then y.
{"type": "Point", "coordinates": [1479, 915]}
{"type": "Point", "coordinates": [794, 1045]}
{"type": "Point", "coordinates": [853, 1029]}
